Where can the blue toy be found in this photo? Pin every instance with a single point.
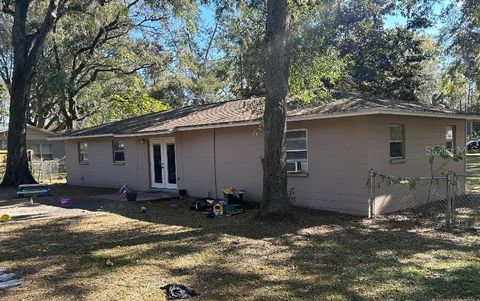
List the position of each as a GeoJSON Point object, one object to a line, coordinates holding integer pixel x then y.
{"type": "Point", "coordinates": [32, 190]}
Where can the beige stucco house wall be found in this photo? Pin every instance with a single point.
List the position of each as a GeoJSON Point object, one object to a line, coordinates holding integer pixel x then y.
{"type": "Point", "coordinates": [420, 133]}
{"type": "Point", "coordinates": [101, 171]}
{"type": "Point", "coordinates": [341, 151]}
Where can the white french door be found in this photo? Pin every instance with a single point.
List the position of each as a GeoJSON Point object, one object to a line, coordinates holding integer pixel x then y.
{"type": "Point", "coordinates": [163, 163]}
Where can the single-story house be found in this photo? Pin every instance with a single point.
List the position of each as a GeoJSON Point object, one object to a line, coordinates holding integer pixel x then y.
{"type": "Point", "coordinates": [204, 149]}
{"type": "Point", "coordinates": [38, 143]}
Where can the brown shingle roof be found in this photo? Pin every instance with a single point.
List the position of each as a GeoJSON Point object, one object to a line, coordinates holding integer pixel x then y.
{"type": "Point", "coordinates": [251, 110]}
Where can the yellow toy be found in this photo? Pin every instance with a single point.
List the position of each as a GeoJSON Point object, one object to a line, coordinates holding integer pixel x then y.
{"type": "Point", "coordinates": [218, 209]}
{"type": "Point", "coordinates": [5, 218]}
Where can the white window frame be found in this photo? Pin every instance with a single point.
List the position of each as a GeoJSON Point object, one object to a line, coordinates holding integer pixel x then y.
{"type": "Point", "coordinates": [81, 160]}
{"type": "Point", "coordinates": [114, 151]}
{"type": "Point", "coordinates": [297, 161]}
{"type": "Point", "coordinates": [402, 126]}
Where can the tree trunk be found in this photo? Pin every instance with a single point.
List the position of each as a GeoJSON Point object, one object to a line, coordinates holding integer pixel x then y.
{"type": "Point", "coordinates": [275, 195]}
{"type": "Point", "coordinates": [26, 51]}
{"type": "Point", "coordinates": [17, 169]}
{"type": "Point", "coordinates": [39, 118]}
{"type": "Point", "coordinates": [71, 117]}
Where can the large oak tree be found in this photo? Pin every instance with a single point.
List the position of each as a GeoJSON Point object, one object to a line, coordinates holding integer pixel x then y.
{"type": "Point", "coordinates": [28, 41]}
{"type": "Point", "coordinates": [275, 194]}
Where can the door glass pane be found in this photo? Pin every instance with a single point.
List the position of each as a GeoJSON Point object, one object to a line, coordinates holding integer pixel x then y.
{"type": "Point", "coordinates": [172, 174]}
{"type": "Point", "coordinates": [157, 163]}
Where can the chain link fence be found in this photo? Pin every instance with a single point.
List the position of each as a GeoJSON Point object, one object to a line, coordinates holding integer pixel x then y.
{"type": "Point", "coordinates": [449, 200]}
{"type": "Point", "coordinates": [51, 171]}
{"type": "Point", "coordinates": [466, 201]}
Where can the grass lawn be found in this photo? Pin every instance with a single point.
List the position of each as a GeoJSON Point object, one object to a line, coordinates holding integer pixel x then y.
{"type": "Point", "coordinates": [325, 256]}
{"type": "Point", "coordinates": [473, 159]}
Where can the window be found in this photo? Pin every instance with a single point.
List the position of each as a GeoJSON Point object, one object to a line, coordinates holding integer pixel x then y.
{"type": "Point", "coordinates": [297, 157]}
{"type": "Point", "coordinates": [37, 153]}
{"type": "Point", "coordinates": [397, 141]}
{"type": "Point", "coordinates": [82, 152]}
{"type": "Point", "coordinates": [450, 138]}
{"type": "Point", "coordinates": [118, 151]}
{"type": "Point", "coordinates": [47, 153]}
{"type": "Point", "coordinates": [42, 152]}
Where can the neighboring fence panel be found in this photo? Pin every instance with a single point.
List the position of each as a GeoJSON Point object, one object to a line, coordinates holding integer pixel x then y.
{"type": "Point", "coordinates": [49, 171]}
{"type": "Point", "coordinates": [466, 201]}
{"type": "Point", "coordinates": [451, 200]}
{"type": "Point", "coordinates": [52, 171]}
{"type": "Point", "coordinates": [393, 193]}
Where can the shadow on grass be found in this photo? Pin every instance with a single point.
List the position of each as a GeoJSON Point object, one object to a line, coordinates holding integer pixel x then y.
{"type": "Point", "coordinates": [161, 212]}
{"type": "Point", "coordinates": [324, 256]}
{"type": "Point", "coordinates": [73, 256]}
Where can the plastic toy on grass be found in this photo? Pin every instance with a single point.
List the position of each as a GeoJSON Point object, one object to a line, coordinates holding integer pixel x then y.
{"type": "Point", "coordinates": [218, 209]}
{"type": "Point", "coordinates": [66, 202]}
{"type": "Point", "coordinates": [109, 263]}
{"type": "Point", "coordinates": [234, 195]}
{"type": "Point", "coordinates": [127, 194]}
{"type": "Point", "coordinates": [5, 218]}
{"type": "Point", "coordinates": [33, 190]}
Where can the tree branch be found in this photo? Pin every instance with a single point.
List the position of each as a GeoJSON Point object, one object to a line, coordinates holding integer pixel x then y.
{"type": "Point", "coordinates": [217, 21]}
{"type": "Point", "coordinates": [95, 73]}
{"type": "Point", "coordinates": [7, 9]}
{"type": "Point", "coordinates": [38, 40]}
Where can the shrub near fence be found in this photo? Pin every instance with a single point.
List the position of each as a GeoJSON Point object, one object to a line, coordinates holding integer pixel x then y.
{"type": "Point", "coordinates": [447, 200]}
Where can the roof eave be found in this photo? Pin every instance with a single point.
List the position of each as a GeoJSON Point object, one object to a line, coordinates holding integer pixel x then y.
{"type": "Point", "coordinates": [291, 118]}
{"type": "Point", "coordinates": [60, 138]}
{"type": "Point", "coordinates": [189, 128]}
{"type": "Point", "coordinates": [384, 112]}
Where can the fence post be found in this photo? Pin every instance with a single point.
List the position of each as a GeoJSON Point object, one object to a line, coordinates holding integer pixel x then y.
{"type": "Point", "coordinates": [50, 170]}
{"type": "Point", "coordinates": [40, 172]}
{"type": "Point", "coordinates": [453, 197]}
{"type": "Point", "coordinates": [371, 199]}
{"type": "Point", "coordinates": [449, 204]}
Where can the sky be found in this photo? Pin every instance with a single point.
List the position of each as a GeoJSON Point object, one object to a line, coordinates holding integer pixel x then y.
{"type": "Point", "coordinates": [397, 20]}
{"type": "Point", "coordinates": [208, 15]}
